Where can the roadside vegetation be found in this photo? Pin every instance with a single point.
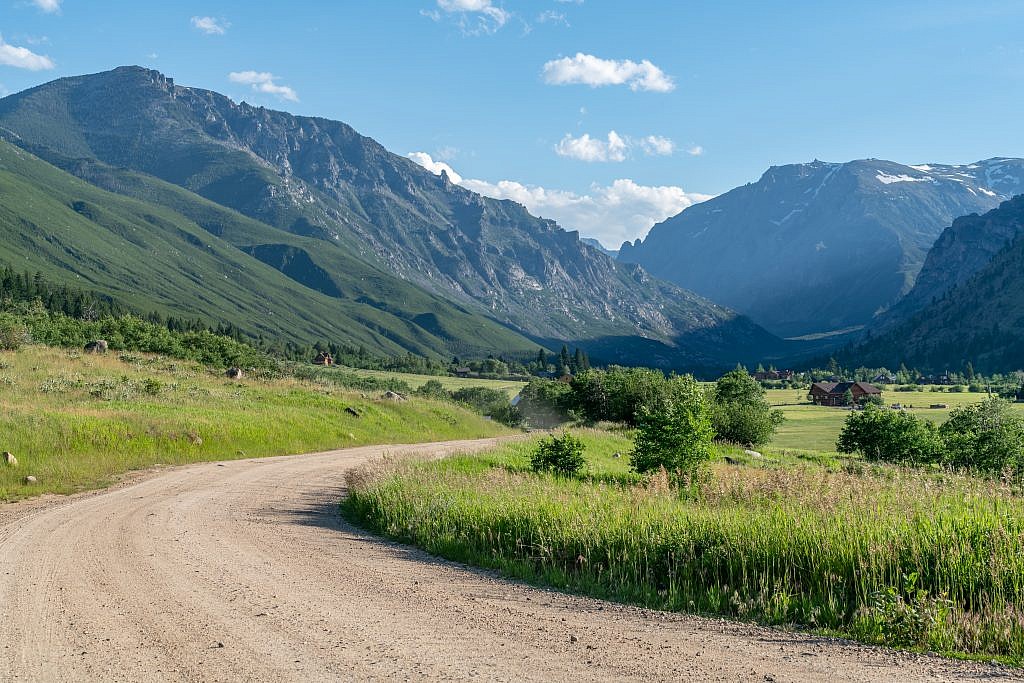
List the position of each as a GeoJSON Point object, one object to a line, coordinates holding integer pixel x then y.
{"type": "Point", "coordinates": [75, 420]}
{"type": "Point", "coordinates": [914, 539]}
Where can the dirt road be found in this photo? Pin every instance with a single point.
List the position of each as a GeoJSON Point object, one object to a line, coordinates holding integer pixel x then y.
{"type": "Point", "coordinates": [243, 571]}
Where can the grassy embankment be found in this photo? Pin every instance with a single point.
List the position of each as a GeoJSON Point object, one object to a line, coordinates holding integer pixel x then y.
{"type": "Point", "coordinates": [882, 554]}
{"type": "Point", "coordinates": [510, 387]}
{"type": "Point", "coordinates": [76, 421]}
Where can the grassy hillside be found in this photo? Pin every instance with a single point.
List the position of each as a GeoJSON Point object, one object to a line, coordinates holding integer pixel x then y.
{"type": "Point", "coordinates": [77, 421]}
{"type": "Point", "coordinates": [168, 254]}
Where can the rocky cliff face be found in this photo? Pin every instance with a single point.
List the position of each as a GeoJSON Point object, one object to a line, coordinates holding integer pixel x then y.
{"type": "Point", "coordinates": [816, 247]}
{"type": "Point", "coordinates": [320, 178]}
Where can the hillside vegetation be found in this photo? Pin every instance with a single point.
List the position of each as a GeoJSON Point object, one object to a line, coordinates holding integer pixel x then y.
{"type": "Point", "coordinates": [77, 421]}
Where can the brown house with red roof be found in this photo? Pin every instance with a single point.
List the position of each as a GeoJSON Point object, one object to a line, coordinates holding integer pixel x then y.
{"type": "Point", "coordinates": [834, 393]}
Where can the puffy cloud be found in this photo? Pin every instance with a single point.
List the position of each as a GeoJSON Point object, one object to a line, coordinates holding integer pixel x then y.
{"type": "Point", "coordinates": [48, 6]}
{"type": "Point", "coordinates": [263, 81]}
{"type": "Point", "coordinates": [586, 148]}
{"type": "Point", "coordinates": [623, 210]}
{"type": "Point", "coordinates": [473, 16]}
{"type": "Point", "coordinates": [23, 58]}
{"type": "Point", "coordinates": [593, 71]}
{"type": "Point", "coordinates": [658, 145]}
{"type": "Point", "coordinates": [695, 151]}
{"type": "Point", "coordinates": [616, 148]}
{"type": "Point", "coordinates": [210, 25]}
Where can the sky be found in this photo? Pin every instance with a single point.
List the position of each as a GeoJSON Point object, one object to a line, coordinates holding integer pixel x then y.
{"type": "Point", "coordinates": [607, 116]}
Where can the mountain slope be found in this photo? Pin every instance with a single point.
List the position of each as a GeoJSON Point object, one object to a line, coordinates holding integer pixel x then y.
{"type": "Point", "coordinates": [980, 320]}
{"type": "Point", "coordinates": [320, 179]}
{"type": "Point", "coordinates": [811, 248]}
{"type": "Point", "coordinates": [157, 258]}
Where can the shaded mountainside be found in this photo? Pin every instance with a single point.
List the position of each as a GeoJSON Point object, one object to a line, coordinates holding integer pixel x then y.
{"type": "Point", "coordinates": [164, 257]}
{"type": "Point", "coordinates": [818, 247]}
{"type": "Point", "coordinates": [350, 199]}
{"type": "Point", "coordinates": [979, 318]}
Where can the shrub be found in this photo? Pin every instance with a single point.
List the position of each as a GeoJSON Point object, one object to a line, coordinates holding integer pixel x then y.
{"type": "Point", "coordinates": [559, 454]}
{"type": "Point", "coordinates": [487, 401]}
{"type": "Point", "coordinates": [545, 402]}
{"type": "Point", "coordinates": [985, 436]}
{"type": "Point", "coordinates": [13, 333]}
{"type": "Point", "coordinates": [676, 432]}
{"type": "Point", "coordinates": [433, 388]}
{"type": "Point", "coordinates": [740, 413]}
{"type": "Point", "coordinates": [617, 394]}
{"type": "Point", "coordinates": [890, 436]}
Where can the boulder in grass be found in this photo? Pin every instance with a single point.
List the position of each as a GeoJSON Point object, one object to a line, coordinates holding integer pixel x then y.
{"type": "Point", "coordinates": [752, 454]}
{"type": "Point", "coordinates": [31, 480]}
{"type": "Point", "coordinates": [97, 346]}
{"type": "Point", "coordinates": [393, 396]}
{"type": "Point", "coordinates": [354, 412]}
{"type": "Point", "coordinates": [234, 373]}
{"type": "Point", "coordinates": [9, 459]}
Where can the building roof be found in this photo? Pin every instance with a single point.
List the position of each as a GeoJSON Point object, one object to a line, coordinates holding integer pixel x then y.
{"type": "Point", "coordinates": [842, 387]}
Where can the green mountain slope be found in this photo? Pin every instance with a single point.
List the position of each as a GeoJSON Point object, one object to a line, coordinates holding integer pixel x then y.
{"type": "Point", "coordinates": [166, 255]}
{"type": "Point", "coordinates": [980, 320]}
{"type": "Point", "coordinates": [320, 180]}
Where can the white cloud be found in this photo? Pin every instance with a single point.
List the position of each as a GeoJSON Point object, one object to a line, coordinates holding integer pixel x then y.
{"type": "Point", "coordinates": [623, 210]}
{"type": "Point", "coordinates": [263, 81]}
{"type": "Point", "coordinates": [23, 58]}
{"type": "Point", "coordinates": [593, 71]}
{"type": "Point", "coordinates": [211, 26]}
{"type": "Point", "coordinates": [616, 148]}
{"type": "Point", "coordinates": [48, 6]}
{"type": "Point", "coordinates": [474, 17]}
{"type": "Point", "coordinates": [586, 148]}
{"type": "Point", "coordinates": [658, 145]}
{"type": "Point", "coordinates": [695, 151]}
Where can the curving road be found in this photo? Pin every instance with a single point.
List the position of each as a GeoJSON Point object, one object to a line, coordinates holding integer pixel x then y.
{"type": "Point", "coordinates": [242, 571]}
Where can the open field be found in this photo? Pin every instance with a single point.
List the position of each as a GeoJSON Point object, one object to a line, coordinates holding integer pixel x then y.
{"type": "Point", "coordinates": [510, 387]}
{"type": "Point", "coordinates": [76, 421]}
{"type": "Point", "coordinates": [816, 428]}
{"type": "Point", "coordinates": [882, 554]}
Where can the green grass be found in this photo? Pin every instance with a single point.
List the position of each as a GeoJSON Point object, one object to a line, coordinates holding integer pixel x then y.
{"type": "Point", "coordinates": [909, 558]}
{"type": "Point", "coordinates": [77, 421]}
{"type": "Point", "coordinates": [510, 387]}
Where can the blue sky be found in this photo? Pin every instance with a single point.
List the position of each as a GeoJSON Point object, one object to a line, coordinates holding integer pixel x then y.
{"type": "Point", "coordinates": [606, 116]}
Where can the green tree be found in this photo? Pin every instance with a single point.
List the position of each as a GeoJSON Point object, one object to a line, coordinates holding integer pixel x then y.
{"type": "Point", "coordinates": [675, 431]}
{"type": "Point", "coordinates": [985, 436]}
{"type": "Point", "coordinates": [890, 436]}
{"type": "Point", "coordinates": [545, 402]}
{"type": "Point", "coordinates": [847, 398]}
{"type": "Point", "coordinates": [740, 413]}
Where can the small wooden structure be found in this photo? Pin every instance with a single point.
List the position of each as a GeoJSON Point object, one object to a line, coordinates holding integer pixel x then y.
{"type": "Point", "coordinates": [834, 393]}
{"type": "Point", "coordinates": [323, 358]}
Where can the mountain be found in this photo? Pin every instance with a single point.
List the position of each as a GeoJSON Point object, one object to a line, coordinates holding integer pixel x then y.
{"type": "Point", "coordinates": [165, 256]}
{"type": "Point", "coordinates": [978, 317]}
{"type": "Point", "coordinates": [350, 200]}
{"type": "Point", "coordinates": [596, 244]}
{"type": "Point", "coordinates": [820, 247]}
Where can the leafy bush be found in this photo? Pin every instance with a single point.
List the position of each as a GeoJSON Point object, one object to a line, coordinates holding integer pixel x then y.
{"type": "Point", "coordinates": [617, 394]}
{"type": "Point", "coordinates": [545, 402]}
{"type": "Point", "coordinates": [889, 435]}
{"type": "Point", "coordinates": [560, 454]}
{"type": "Point", "coordinates": [13, 333]}
{"type": "Point", "coordinates": [740, 413]}
{"type": "Point", "coordinates": [676, 432]}
{"type": "Point", "coordinates": [985, 436]}
{"type": "Point", "coordinates": [487, 401]}
{"type": "Point", "coordinates": [433, 388]}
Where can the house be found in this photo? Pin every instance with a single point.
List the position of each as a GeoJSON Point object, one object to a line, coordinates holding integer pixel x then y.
{"type": "Point", "coordinates": [834, 393]}
{"type": "Point", "coordinates": [884, 378]}
{"type": "Point", "coordinates": [462, 372]}
{"type": "Point", "coordinates": [323, 358]}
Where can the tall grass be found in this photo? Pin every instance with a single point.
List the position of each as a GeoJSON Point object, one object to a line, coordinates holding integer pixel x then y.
{"type": "Point", "coordinates": [76, 421]}
{"type": "Point", "coordinates": [884, 555]}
